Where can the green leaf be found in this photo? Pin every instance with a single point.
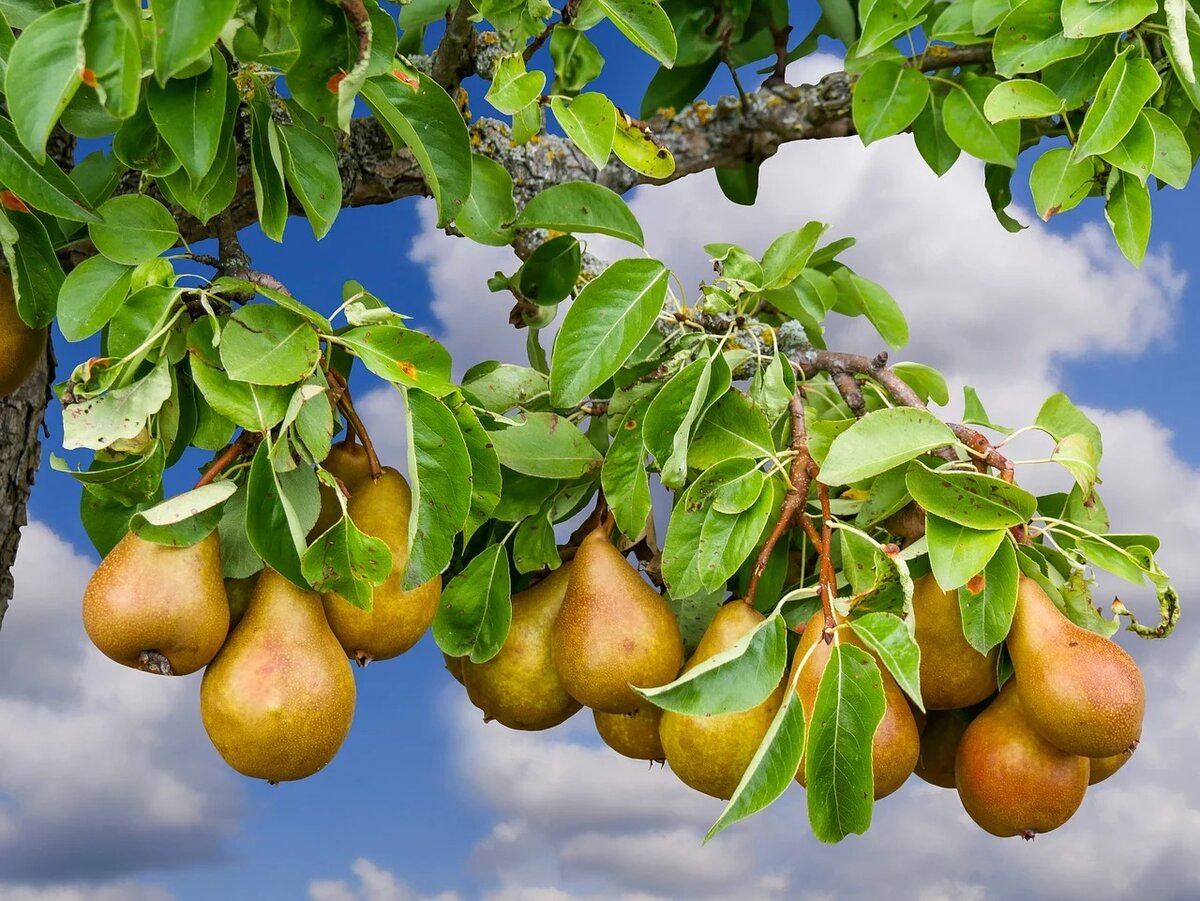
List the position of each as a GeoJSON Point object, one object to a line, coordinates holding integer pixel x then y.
{"type": "Point", "coordinates": [933, 143]}
{"type": "Point", "coordinates": [184, 30]}
{"type": "Point", "coordinates": [90, 296]}
{"type": "Point", "coordinates": [581, 207]}
{"type": "Point", "coordinates": [1088, 18]}
{"type": "Point", "coordinates": [266, 166]}
{"type": "Point", "coordinates": [732, 427]}
{"type": "Point", "coordinates": [189, 114]}
{"type": "Point", "coordinates": [281, 507]}
{"type": "Point", "coordinates": [576, 59]}
{"type": "Point", "coordinates": [882, 22]}
{"type": "Point", "coordinates": [1031, 38]}
{"type": "Point", "coordinates": [1075, 80]}
{"type": "Point", "coordinates": [607, 321]}
{"type": "Point", "coordinates": [42, 185]}
{"type": "Point", "coordinates": [1124, 90]}
{"type": "Point", "coordinates": [676, 87]}
{"type": "Point", "coordinates": [956, 553]}
{"type": "Point", "coordinates": [645, 24]}
{"type": "Point", "coordinates": [117, 414]}
{"type": "Point", "coordinates": [624, 478]}
{"type": "Point", "coordinates": [438, 462]}
{"type": "Point", "coordinates": [970, 498]}
{"type": "Point", "coordinates": [875, 303]}
{"type": "Point", "coordinates": [401, 355]}
{"type": "Point", "coordinates": [1172, 158]}
{"type": "Point", "coordinates": [37, 275]}
{"type": "Point", "coordinates": [987, 613]}
{"type": "Point", "coordinates": [887, 98]}
{"type": "Point", "coordinates": [552, 271]}
{"type": "Point", "coordinates": [185, 519]}
{"type": "Point", "coordinates": [892, 640]}
{"type": "Point", "coordinates": [546, 445]}
{"type": "Point", "coordinates": [970, 129]}
{"type": "Point", "coordinates": [590, 120]}
{"type": "Point", "coordinates": [929, 384]}
{"type": "Point", "coordinates": [45, 67]}
{"type": "Point", "coordinates": [311, 170]}
{"type": "Point", "coordinates": [1179, 44]}
{"type": "Point", "coordinates": [135, 228]}
{"type": "Point", "coordinates": [489, 209]}
{"type": "Point", "coordinates": [880, 441]}
{"type": "Point", "coordinates": [267, 345]}
{"type": "Point", "coordinates": [739, 182]}
{"type": "Point", "coordinates": [848, 708]}
{"type": "Point", "coordinates": [418, 114]}
{"type": "Point", "coordinates": [638, 150]}
{"type": "Point", "coordinates": [512, 87]}
{"type": "Point", "coordinates": [671, 417]}
{"type": "Point", "coordinates": [1058, 183]}
{"type": "Point", "coordinates": [253, 407]}
{"type": "Point", "coordinates": [788, 254]}
{"type": "Point", "coordinates": [1135, 154]}
{"type": "Point", "coordinates": [485, 465]}
{"type": "Point", "coordinates": [738, 678]}
{"type": "Point", "coordinates": [499, 387]}
{"type": "Point", "coordinates": [475, 611]}
{"type": "Point", "coordinates": [1127, 209]}
{"type": "Point", "coordinates": [1021, 98]}
{"type": "Point", "coordinates": [347, 562]}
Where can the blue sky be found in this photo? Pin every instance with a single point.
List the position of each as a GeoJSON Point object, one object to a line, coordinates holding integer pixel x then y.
{"type": "Point", "coordinates": [431, 800]}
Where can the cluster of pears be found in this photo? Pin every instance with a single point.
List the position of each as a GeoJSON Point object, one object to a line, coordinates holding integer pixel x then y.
{"type": "Point", "coordinates": [1069, 717]}
{"type": "Point", "coordinates": [277, 697]}
{"type": "Point", "coordinates": [20, 346]}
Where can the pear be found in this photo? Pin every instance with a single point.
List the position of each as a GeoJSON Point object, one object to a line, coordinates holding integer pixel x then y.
{"type": "Point", "coordinates": [157, 608]}
{"type": "Point", "coordinates": [1103, 767]}
{"type": "Point", "coordinates": [454, 666]}
{"type": "Point", "coordinates": [350, 463]}
{"type": "Point", "coordinates": [20, 346]}
{"type": "Point", "coordinates": [1080, 690]}
{"type": "Point", "coordinates": [239, 591]}
{"type": "Point", "coordinates": [710, 753]}
{"type": "Point", "coordinates": [613, 630]}
{"type": "Point", "coordinates": [278, 700]}
{"type": "Point", "coordinates": [519, 687]}
{"type": "Point", "coordinates": [939, 746]}
{"type": "Point", "coordinates": [953, 674]}
{"type": "Point", "coordinates": [398, 618]}
{"type": "Point", "coordinates": [634, 734]}
{"type": "Point", "coordinates": [896, 743]}
{"type": "Point", "coordinates": [1011, 781]}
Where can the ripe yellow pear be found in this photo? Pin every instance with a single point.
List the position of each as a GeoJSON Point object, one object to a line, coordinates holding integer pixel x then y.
{"type": "Point", "coordinates": [710, 753]}
{"type": "Point", "coordinates": [349, 463]}
{"type": "Point", "coordinates": [20, 346]}
{"type": "Point", "coordinates": [519, 687]}
{"type": "Point", "coordinates": [278, 700]}
{"type": "Point", "coordinates": [147, 602]}
{"type": "Point", "coordinates": [239, 591]}
{"type": "Point", "coordinates": [896, 743]}
{"type": "Point", "coordinates": [398, 618]}
{"type": "Point", "coordinates": [634, 734]}
{"type": "Point", "coordinates": [1103, 767]}
{"type": "Point", "coordinates": [953, 674]}
{"type": "Point", "coordinates": [1011, 781]}
{"type": "Point", "coordinates": [613, 630]}
{"type": "Point", "coordinates": [939, 746]}
{"type": "Point", "coordinates": [1080, 690]}
{"type": "Point", "coordinates": [454, 666]}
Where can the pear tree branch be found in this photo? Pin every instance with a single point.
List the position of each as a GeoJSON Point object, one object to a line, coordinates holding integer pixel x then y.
{"type": "Point", "coordinates": [245, 443]}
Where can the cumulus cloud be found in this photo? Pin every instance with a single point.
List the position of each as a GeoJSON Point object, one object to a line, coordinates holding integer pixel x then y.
{"type": "Point", "coordinates": [104, 771]}
{"type": "Point", "coordinates": [373, 884]}
{"type": "Point", "coordinates": [1005, 313]}
{"type": "Point", "coordinates": [113, 891]}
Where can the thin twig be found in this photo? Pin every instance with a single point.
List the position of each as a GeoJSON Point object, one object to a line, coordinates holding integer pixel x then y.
{"type": "Point", "coordinates": [565, 18]}
{"type": "Point", "coordinates": [454, 52]}
{"type": "Point", "coordinates": [244, 443]}
{"type": "Point", "coordinates": [357, 15]}
{"type": "Point", "coordinates": [779, 76]}
{"type": "Point", "coordinates": [800, 477]}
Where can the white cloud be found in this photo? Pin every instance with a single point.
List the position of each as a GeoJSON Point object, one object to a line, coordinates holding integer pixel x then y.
{"type": "Point", "coordinates": [104, 771]}
{"type": "Point", "coordinates": [113, 891]}
{"type": "Point", "coordinates": [374, 884]}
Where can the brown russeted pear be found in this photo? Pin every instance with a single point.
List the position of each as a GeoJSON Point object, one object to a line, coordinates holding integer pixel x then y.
{"type": "Point", "coordinates": [1103, 767]}
{"type": "Point", "coordinates": [710, 753]}
{"type": "Point", "coordinates": [1011, 781]}
{"type": "Point", "coordinates": [239, 592]}
{"type": "Point", "coordinates": [613, 630]}
{"type": "Point", "coordinates": [1080, 690]}
{"type": "Point", "coordinates": [20, 346]}
{"type": "Point", "coordinates": [953, 674]}
{"type": "Point", "coordinates": [939, 746]}
{"type": "Point", "coordinates": [519, 687]}
{"type": "Point", "coordinates": [158, 608]}
{"type": "Point", "coordinates": [634, 734]}
{"type": "Point", "coordinates": [896, 743]}
{"type": "Point", "coordinates": [397, 618]}
{"type": "Point", "coordinates": [278, 700]}
{"type": "Point", "coordinates": [349, 463]}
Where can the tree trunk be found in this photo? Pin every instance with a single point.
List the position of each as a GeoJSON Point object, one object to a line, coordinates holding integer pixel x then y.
{"type": "Point", "coordinates": [20, 453]}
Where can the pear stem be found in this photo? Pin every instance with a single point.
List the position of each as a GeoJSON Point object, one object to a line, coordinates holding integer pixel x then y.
{"type": "Point", "coordinates": [828, 575]}
{"type": "Point", "coordinates": [243, 445]}
{"type": "Point", "coordinates": [799, 477]}
{"type": "Point", "coordinates": [346, 405]}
